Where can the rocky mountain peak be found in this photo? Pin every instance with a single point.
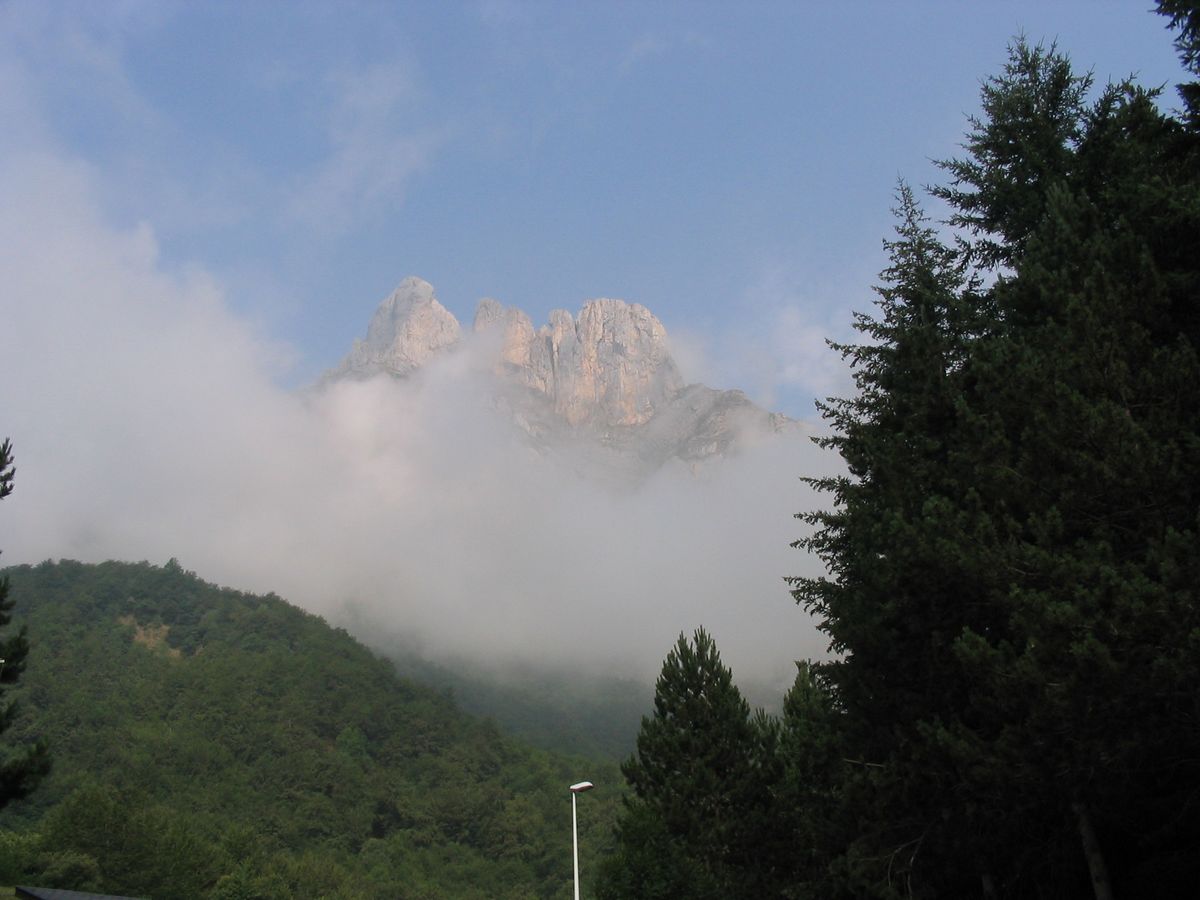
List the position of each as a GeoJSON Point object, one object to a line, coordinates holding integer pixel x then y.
{"type": "Point", "coordinates": [609, 367]}
{"type": "Point", "coordinates": [604, 379]}
{"type": "Point", "coordinates": [408, 329]}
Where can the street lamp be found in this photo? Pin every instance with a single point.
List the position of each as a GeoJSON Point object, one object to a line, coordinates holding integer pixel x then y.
{"type": "Point", "coordinates": [575, 790]}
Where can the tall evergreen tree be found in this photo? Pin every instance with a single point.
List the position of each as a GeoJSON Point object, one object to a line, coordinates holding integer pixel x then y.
{"type": "Point", "coordinates": [1089, 376]}
{"type": "Point", "coordinates": [905, 544]}
{"type": "Point", "coordinates": [1026, 141]}
{"type": "Point", "coordinates": [697, 825]}
{"type": "Point", "coordinates": [1013, 554]}
{"type": "Point", "coordinates": [812, 808]}
{"type": "Point", "coordinates": [20, 770]}
{"type": "Point", "coordinates": [1185, 18]}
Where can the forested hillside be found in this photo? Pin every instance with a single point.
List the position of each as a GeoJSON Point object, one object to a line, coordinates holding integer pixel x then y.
{"type": "Point", "coordinates": [591, 714]}
{"type": "Point", "coordinates": [210, 743]}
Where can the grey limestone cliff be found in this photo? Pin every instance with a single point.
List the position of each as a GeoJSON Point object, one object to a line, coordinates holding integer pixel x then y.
{"type": "Point", "coordinates": [408, 329]}
{"type": "Point", "coordinates": [610, 367]}
{"type": "Point", "coordinates": [602, 386]}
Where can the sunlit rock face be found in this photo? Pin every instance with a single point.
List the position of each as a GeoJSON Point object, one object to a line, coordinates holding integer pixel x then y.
{"type": "Point", "coordinates": [609, 367]}
{"type": "Point", "coordinates": [408, 329]}
{"type": "Point", "coordinates": [600, 388]}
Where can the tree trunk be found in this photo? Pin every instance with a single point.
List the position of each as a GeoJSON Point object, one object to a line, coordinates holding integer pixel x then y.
{"type": "Point", "coordinates": [1101, 886]}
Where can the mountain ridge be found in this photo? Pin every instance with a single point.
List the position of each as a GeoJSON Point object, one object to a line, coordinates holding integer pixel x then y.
{"type": "Point", "coordinates": [603, 383]}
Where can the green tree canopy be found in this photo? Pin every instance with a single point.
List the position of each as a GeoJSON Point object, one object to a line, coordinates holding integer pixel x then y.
{"type": "Point", "coordinates": [1185, 18]}
{"type": "Point", "coordinates": [20, 769]}
{"type": "Point", "coordinates": [700, 778]}
{"type": "Point", "coordinates": [1012, 555]}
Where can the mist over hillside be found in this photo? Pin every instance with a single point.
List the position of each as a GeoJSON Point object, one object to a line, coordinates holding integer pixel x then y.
{"type": "Point", "coordinates": [150, 422]}
{"type": "Point", "coordinates": [212, 743]}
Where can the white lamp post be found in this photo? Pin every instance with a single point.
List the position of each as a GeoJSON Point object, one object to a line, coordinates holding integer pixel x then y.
{"type": "Point", "coordinates": [575, 790]}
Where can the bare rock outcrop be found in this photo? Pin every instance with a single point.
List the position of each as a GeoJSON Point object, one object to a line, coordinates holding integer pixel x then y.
{"type": "Point", "coordinates": [602, 386]}
{"type": "Point", "coordinates": [610, 367]}
{"type": "Point", "coordinates": [408, 329]}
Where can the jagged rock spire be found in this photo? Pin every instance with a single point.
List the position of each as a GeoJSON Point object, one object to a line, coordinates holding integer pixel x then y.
{"type": "Point", "coordinates": [408, 329]}
{"type": "Point", "coordinates": [606, 378]}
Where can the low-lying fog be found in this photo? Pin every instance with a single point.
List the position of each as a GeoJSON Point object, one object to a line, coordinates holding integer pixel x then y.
{"type": "Point", "coordinates": [148, 422]}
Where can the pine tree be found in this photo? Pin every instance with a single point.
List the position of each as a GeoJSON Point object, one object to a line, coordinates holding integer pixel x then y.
{"type": "Point", "coordinates": [20, 771]}
{"type": "Point", "coordinates": [1185, 18]}
{"type": "Point", "coordinates": [811, 794]}
{"type": "Point", "coordinates": [1013, 554]}
{"type": "Point", "coordinates": [697, 823]}
{"type": "Point", "coordinates": [905, 544]}
{"type": "Point", "coordinates": [1090, 376]}
{"type": "Point", "coordinates": [1087, 378]}
{"type": "Point", "coordinates": [1032, 124]}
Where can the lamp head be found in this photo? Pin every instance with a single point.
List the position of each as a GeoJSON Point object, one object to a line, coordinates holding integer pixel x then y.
{"type": "Point", "coordinates": [581, 787]}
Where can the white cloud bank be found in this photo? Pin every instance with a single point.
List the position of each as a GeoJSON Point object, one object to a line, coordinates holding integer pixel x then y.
{"type": "Point", "coordinates": [147, 423]}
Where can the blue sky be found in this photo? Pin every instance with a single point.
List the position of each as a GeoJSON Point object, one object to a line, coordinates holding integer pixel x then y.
{"type": "Point", "coordinates": [730, 166]}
